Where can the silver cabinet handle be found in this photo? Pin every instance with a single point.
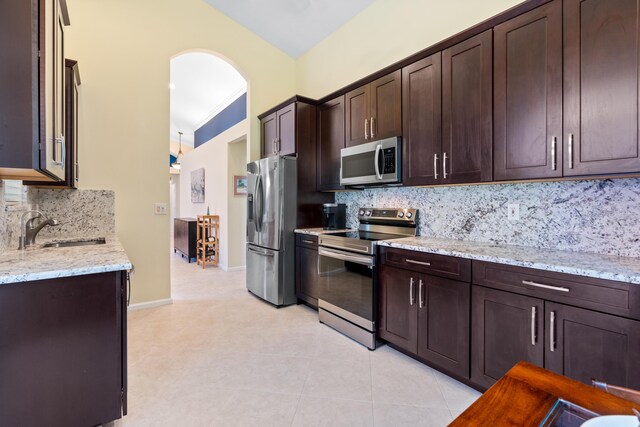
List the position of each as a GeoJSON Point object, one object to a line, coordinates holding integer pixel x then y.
{"type": "Point", "coordinates": [570, 151]}
{"type": "Point", "coordinates": [540, 285]}
{"type": "Point", "coordinates": [309, 241]}
{"type": "Point", "coordinates": [552, 331]}
{"type": "Point", "coordinates": [411, 261]}
{"type": "Point", "coordinates": [554, 142]}
{"type": "Point", "coordinates": [444, 165]}
{"type": "Point", "coordinates": [366, 128]}
{"type": "Point", "coordinates": [435, 166]}
{"type": "Point", "coordinates": [273, 146]}
{"type": "Point", "coordinates": [420, 294]}
{"type": "Point", "coordinates": [534, 315]}
{"type": "Point", "coordinates": [56, 160]}
{"type": "Point", "coordinates": [411, 291]}
{"type": "Point", "coordinates": [372, 127]}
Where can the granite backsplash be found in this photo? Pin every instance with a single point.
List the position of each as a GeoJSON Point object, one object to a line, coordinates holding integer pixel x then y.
{"type": "Point", "coordinates": [81, 213]}
{"type": "Point", "coordinates": [599, 216]}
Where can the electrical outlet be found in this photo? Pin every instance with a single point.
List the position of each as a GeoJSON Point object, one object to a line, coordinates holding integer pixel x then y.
{"type": "Point", "coordinates": [513, 212]}
{"type": "Point", "coordinates": [160, 209]}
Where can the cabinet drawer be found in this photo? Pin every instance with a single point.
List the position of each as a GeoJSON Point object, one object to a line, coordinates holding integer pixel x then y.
{"type": "Point", "coordinates": [307, 240]}
{"type": "Point", "coordinates": [437, 265]}
{"type": "Point", "coordinates": [603, 295]}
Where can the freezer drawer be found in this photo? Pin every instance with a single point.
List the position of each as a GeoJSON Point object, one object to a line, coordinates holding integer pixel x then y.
{"type": "Point", "coordinates": [270, 275]}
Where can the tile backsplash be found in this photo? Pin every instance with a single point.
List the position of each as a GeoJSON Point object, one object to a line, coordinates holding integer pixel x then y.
{"type": "Point", "coordinates": [601, 216]}
{"type": "Point", "coordinates": [81, 213]}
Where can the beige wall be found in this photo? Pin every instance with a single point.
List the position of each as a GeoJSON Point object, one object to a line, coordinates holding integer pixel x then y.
{"type": "Point", "coordinates": [237, 206]}
{"type": "Point", "coordinates": [217, 157]}
{"type": "Point", "coordinates": [384, 33]}
{"type": "Point", "coordinates": [124, 48]}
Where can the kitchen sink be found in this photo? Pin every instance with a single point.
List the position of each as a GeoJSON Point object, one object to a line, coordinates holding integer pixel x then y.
{"type": "Point", "coordinates": [78, 242]}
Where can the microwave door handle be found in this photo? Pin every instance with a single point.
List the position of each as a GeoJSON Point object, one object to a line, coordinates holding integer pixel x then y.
{"type": "Point", "coordinates": [377, 161]}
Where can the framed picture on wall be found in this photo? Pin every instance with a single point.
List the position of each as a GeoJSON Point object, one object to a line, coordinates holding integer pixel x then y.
{"type": "Point", "coordinates": [197, 186]}
{"type": "Point", "coordinates": [239, 185]}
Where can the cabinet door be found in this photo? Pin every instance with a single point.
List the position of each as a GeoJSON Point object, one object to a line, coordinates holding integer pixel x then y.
{"type": "Point", "coordinates": [269, 134]}
{"type": "Point", "coordinates": [505, 329]}
{"type": "Point", "coordinates": [584, 344]}
{"type": "Point", "coordinates": [307, 274]}
{"type": "Point", "coordinates": [443, 323]}
{"type": "Point", "coordinates": [398, 307]}
{"type": "Point", "coordinates": [330, 142]}
{"type": "Point", "coordinates": [528, 95]}
{"type": "Point", "coordinates": [422, 116]}
{"type": "Point", "coordinates": [357, 116]}
{"type": "Point", "coordinates": [601, 87]}
{"type": "Point", "coordinates": [467, 110]}
{"type": "Point", "coordinates": [286, 124]}
{"type": "Point", "coordinates": [386, 106]}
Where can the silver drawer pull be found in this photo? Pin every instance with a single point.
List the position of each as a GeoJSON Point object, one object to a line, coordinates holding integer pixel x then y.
{"type": "Point", "coordinates": [309, 241]}
{"type": "Point", "coordinates": [540, 285]}
{"type": "Point", "coordinates": [411, 261]}
{"type": "Point", "coordinates": [552, 330]}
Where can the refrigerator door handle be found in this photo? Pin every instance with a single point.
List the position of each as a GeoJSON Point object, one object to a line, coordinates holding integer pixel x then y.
{"type": "Point", "coordinates": [263, 253]}
{"type": "Point", "coordinates": [261, 194]}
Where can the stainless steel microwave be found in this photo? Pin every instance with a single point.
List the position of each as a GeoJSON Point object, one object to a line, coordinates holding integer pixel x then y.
{"type": "Point", "coordinates": [377, 162]}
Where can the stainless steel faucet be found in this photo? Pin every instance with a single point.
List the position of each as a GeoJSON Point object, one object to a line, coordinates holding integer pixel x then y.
{"type": "Point", "coordinates": [29, 230]}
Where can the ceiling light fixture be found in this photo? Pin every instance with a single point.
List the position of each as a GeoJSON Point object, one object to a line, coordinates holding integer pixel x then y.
{"type": "Point", "coordinates": [176, 164]}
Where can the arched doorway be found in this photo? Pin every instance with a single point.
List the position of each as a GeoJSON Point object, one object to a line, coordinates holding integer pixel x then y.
{"type": "Point", "coordinates": [208, 144]}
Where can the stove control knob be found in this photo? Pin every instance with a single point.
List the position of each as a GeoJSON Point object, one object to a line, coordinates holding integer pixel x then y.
{"type": "Point", "coordinates": [361, 212]}
{"type": "Point", "coordinates": [409, 214]}
{"type": "Point", "coordinates": [400, 214]}
{"type": "Point", "coordinates": [368, 213]}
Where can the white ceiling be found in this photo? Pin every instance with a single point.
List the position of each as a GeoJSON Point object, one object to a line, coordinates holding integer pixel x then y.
{"type": "Point", "coordinates": [293, 26]}
{"type": "Point", "coordinates": [201, 86]}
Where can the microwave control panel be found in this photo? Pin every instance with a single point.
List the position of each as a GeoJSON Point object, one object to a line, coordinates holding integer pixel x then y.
{"type": "Point", "coordinates": [389, 156]}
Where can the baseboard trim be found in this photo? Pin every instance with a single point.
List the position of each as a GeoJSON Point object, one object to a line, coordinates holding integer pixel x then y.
{"type": "Point", "coordinates": [230, 269]}
{"type": "Point", "coordinates": [150, 304]}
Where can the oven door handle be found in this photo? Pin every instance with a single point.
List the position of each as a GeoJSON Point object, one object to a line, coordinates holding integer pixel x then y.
{"type": "Point", "coordinates": [345, 256]}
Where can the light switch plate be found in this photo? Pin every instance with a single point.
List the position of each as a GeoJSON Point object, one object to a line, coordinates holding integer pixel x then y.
{"type": "Point", "coordinates": [160, 209]}
{"type": "Point", "coordinates": [513, 212]}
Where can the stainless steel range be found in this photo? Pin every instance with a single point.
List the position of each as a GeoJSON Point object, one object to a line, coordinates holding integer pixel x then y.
{"type": "Point", "coordinates": [347, 268]}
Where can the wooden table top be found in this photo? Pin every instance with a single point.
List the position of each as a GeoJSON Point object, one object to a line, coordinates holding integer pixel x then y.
{"type": "Point", "coordinates": [525, 395]}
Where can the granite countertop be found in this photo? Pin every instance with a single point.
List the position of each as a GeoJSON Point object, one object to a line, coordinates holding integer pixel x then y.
{"type": "Point", "coordinates": [579, 263]}
{"type": "Point", "coordinates": [50, 263]}
{"type": "Point", "coordinates": [319, 231]}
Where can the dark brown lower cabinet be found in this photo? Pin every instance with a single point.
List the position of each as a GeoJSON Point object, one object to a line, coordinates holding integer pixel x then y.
{"type": "Point", "coordinates": [184, 237]}
{"type": "Point", "coordinates": [63, 351]}
{"type": "Point", "coordinates": [505, 329]}
{"type": "Point", "coordinates": [398, 316]}
{"type": "Point", "coordinates": [584, 344]}
{"type": "Point", "coordinates": [426, 315]}
{"type": "Point", "coordinates": [307, 269]}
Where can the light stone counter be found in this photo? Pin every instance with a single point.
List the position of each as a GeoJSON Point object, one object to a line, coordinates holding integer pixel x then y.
{"type": "Point", "coordinates": [607, 267]}
{"type": "Point", "coordinates": [319, 231]}
{"type": "Point", "coordinates": [51, 263]}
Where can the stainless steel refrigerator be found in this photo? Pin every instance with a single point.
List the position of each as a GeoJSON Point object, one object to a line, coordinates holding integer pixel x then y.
{"type": "Point", "coordinates": [271, 220]}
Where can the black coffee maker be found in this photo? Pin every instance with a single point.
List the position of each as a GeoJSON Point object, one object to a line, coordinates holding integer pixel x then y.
{"type": "Point", "coordinates": [334, 216]}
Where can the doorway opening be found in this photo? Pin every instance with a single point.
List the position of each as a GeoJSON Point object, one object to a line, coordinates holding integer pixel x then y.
{"type": "Point", "coordinates": [207, 160]}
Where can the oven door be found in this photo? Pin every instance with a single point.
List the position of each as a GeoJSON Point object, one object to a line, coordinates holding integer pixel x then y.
{"type": "Point", "coordinates": [377, 162]}
{"type": "Point", "coordinates": [346, 286]}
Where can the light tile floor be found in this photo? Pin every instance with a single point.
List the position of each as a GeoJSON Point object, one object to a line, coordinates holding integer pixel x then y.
{"type": "Point", "coordinates": [219, 356]}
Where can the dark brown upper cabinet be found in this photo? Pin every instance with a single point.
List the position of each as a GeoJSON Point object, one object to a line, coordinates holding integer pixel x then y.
{"type": "Point", "coordinates": [422, 121]}
{"type": "Point", "coordinates": [268, 135]}
{"type": "Point", "coordinates": [601, 87]}
{"type": "Point", "coordinates": [72, 167]}
{"type": "Point", "coordinates": [374, 111]}
{"type": "Point", "coordinates": [527, 65]}
{"type": "Point", "coordinates": [330, 142]}
{"type": "Point", "coordinates": [33, 143]}
{"type": "Point", "coordinates": [467, 110]}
